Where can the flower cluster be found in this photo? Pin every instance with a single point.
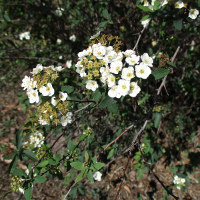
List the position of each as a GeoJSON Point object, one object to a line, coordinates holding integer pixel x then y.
{"type": "Point", "coordinates": [40, 90]}
{"type": "Point", "coordinates": [25, 35]}
{"type": "Point", "coordinates": [36, 140]}
{"type": "Point", "coordinates": [59, 11]}
{"type": "Point", "coordinates": [118, 70]}
{"type": "Point", "coordinates": [151, 5]}
{"type": "Point", "coordinates": [179, 182]}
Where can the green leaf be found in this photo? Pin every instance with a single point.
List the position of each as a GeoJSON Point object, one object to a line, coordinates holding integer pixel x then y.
{"type": "Point", "coordinates": [28, 192]}
{"type": "Point", "coordinates": [111, 152]}
{"type": "Point", "coordinates": [67, 88]}
{"type": "Point", "coordinates": [160, 73]}
{"type": "Point", "coordinates": [157, 117]}
{"type": "Point", "coordinates": [81, 176]}
{"type": "Point", "coordinates": [144, 8]}
{"type": "Point", "coordinates": [30, 155]}
{"type": "Point", "coordinates": [87, 156]}
{"type": "Point", "coordinates": [156, 5]}
{"type": "Point", "coordinates": [52, 162]}
{"type": "Point", "coordinates": [171, 64]}
{"type": "Point", "coordinates": [97, 166]}
{"type": "Point", "coordinates": [19, 139]}
{"type": "Point", "coordinates": [39, 179]}
{"type": "Point", "coordinates": [178, 24]}
{"type": "Point", "coordinates": [71, 145]}
{"type": "Point", "coordinates": [43, 163]}
{"type": "Point", "coordinates": [106, 102]}
{"type": "Point", "coordinates": [103, 24]}
{"type": "Point", "coordinates": [13, 164]}
{"type": "Point", "coordinates": [113, 108]}
{"type": "Point", "coordinates": [105, 13]}
{"type": "Point", "coordinates": [78, 165]}
{"type": "Point", "coordinates": [97, 95]}
{"type": "Point", "coordinates": [83, 136]}
{"type": "Point", "coordinates": [6, 17]}
{"type": "Point", "coordinates": [90, 176]}
{"type": "Point", "coordinates": [145, 17]}
{"type": "Point", "coordinates": [19, 172]}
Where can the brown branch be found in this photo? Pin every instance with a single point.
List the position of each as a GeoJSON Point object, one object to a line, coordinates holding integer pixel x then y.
{"type": "Point", "coordinates": [157, 178]}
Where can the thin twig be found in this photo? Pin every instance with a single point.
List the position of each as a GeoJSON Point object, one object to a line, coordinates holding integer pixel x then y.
{"type": "Point", "coordinates": [65, 197]}
{"type": "Point", "coordinates": [157, 178]}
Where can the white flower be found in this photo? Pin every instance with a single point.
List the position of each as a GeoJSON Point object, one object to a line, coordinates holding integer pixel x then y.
{"type": "Point", "coordinates": [97, 176]}
{"type": "Point", "coordinates": [116, 66]}
{"type": "Point", "coordinates": [128, 52]}
{"type": "Point", "coordinates": [58, 41]}
{"type": "Point", "coordinates": [127, 73]}
{"type": "Point", "coordinates": [119, 57]}
{"type": "Point", "coordinates": [83, 53]}
{"type": "Point", "coordinates": [67, 119]}
{"type": "Point", "coordinates": [63, 96]}
{"type": "Point", "coordinates": [98, 50]}
{"type": "Point", "coordinates": [113, 92]}
{"type": "Point", "coordinates": [33, 96]}
{"type": "Point", "coordinates": [147, 59]}
{"type": "Point", "coordinates": [123, 87]}
{"type": "Point", "coordinates": [193, 13]}
{"type": "Point", "coordinates": [142, 71]}
{"type": "Point", "coordinates": [28, 83]}
{"type": "Point", "coordinates": [72, 38]}
{"type": "Point", "coordinates": [47, 90]}
{"type": "Point", "coordinates": [164, 2]}
{"type": "Point", "coordinates": [60, 57]}
{"type": "Point", "coordinates": [146, 3]}
{"type": "Point", "coordinates": [95, 35]}
{"type": "Point", "coordinates": [134, 89]}
{"type": "Point", "coordinates": [59, 68]}
{"type": "Point", "coordinates": [37, 139]}
{"type": "Point", "coordinates": [59, 12]}
{"type": "Point", "coordinates": [69, 63]}
{"type": "Point", "coordinates": [133, 59]}
{"type": "Point", "coordinates": [25, 35]}
{"type": "Point", "coordinates": [110, 80]}
{"type": "Point", "coordinates": [145, 22]}
{"type": "Point", "coordinates": [179, 4]}
{"type": "Point", "coordinates": [37, 69]}
{"type": "Point", "coordinates": [42, 121]}
{"type": "Point", "coordinates": [54, 102]}
{"type": "Point", "coordinates": [110, 56]}
{"type": "Point", "coordinates": [91, 85]}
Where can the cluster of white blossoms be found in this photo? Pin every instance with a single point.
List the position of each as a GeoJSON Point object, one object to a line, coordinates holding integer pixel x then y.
{"type": "Point", "coordinates": [193, 13]}
{"type": "Point", "coordinates": [25, 35]}
{"type": "Point", "coordinates": [31, 87]}
{"type": "Point", "coordinates": [59, 11]}
{"type": "Point", "coordinates": [118, 70]}
{"type": "Point", "coordinates": [179, 182]}
{"type": "Point", "coordinates": [36, 140]}
{"type": "Point", "coordinates": [39, 87]}
{"type": "Point", "coordinates": [97, 176]}
{"type": "Point", "coordinates": [72, 38]}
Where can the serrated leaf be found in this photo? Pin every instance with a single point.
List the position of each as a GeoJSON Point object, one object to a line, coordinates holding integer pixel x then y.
{"type": "Point", "coordinates": [97, 166]}
{"type": "Point", "coordinates": [39, 179]}
{"type": "Point", "coordinates": [160, 73]}
{"type": "Point", "coordinates": [110, 154]}
{"type": "Point", "coordinates": [106, 102]}
{"type": "Point", "coordinates": [145, 17]}
{"type": "Point", "coordinates": [44, 163]}
{"type": "Point", "coordinates": [113, 108]}
{"type": "Point", "coordinates": [78, 165]}
{"type": "Point", "coordinates": [144, 8]}
{"type": "Point", "coordinates": [178, 24]}
{"type": "Point", "coordinates": [171, 64]}
{"type": "Point", "coordinates": [69, 89]}
{"type": "Point", "coordinates": [30, 155]}
{"type": "Point", "coordinates": [52, 162]}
